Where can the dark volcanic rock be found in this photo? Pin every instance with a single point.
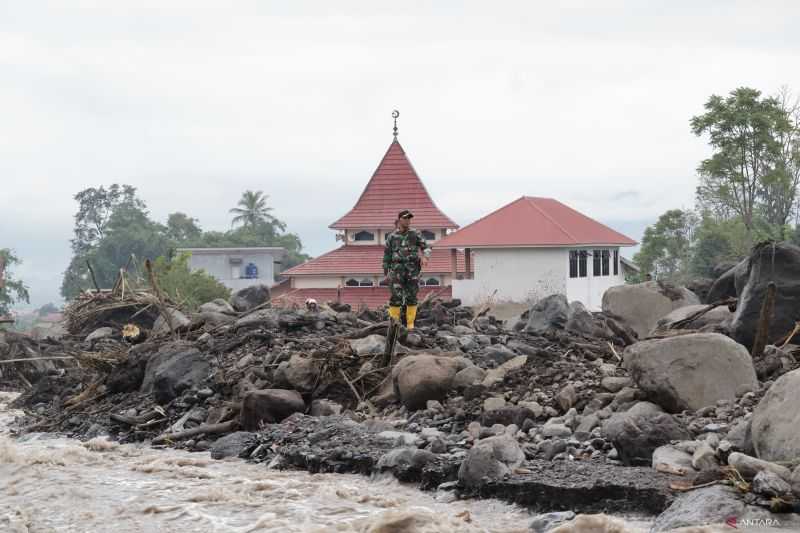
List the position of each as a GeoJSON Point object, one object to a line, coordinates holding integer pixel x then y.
{"type": "Point", "coordinates": [768, 262]}
{"type": "Point", "coordinates": [250, 297]}
{"type": "Point", "coordinates": [238, 444]}
{"type": "Point", "coordinates": [177, 366]}
{"type": "Point", "coordinates": [548, 313]}
{"type": "Point", "coordinates": [269, 406]}
{"type": "Point", "coordinates": [710, 505]}
{"type": "Point", "coordinates": [507, 416]}
{"type": "Point", "coordinates": [636, 436]}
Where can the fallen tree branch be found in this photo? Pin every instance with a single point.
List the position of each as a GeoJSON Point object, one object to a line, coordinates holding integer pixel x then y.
{"type": "Point", "coordinates": [50, 358]}
{"type": "Point", "coordinates": [206, 429]}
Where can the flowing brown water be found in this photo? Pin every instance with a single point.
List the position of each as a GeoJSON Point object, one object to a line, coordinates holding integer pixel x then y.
{"type": "Point", "coordinates": [62, 485]}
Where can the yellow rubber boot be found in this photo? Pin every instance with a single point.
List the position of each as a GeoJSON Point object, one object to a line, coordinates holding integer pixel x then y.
{"type": "Point", "coordinates": [394, 313]}
{"type": "Point", "coordinates": [411, 315]}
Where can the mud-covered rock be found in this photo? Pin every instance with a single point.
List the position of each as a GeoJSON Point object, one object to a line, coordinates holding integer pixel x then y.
{"type": "Point", "coordinates": [641, 305]}
{"type": "Point", "coordinates": [636, 437]}
{"type": "Point", "coordinates": [237, 444]}
{"type": "Point", "coordinates": [691, 371]}
{"type": "Point", "coordinates": [490, 459]}
{"type": "Point", "coordinates": [250, 297]}
{"type": "Point", "coordinates": [173, 369]}
{"type": "Point", "coordinates": [419, 378]}
{"type": "Point", "coordinates": [775, 425]}
{"type": "Point", "coordinates": [269, 406]}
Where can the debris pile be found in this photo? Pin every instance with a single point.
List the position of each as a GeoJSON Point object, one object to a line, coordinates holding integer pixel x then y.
{"type": "Point", "coordinates": [634, 408]}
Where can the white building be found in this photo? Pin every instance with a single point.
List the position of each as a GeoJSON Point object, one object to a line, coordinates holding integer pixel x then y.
{"type": "Point", "coordinates": [237, 268]}
{"type": "Point", "coordinates": [534, 247]}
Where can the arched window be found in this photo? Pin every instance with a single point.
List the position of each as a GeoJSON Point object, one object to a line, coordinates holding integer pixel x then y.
{"type": "Point", "coordinates": [432, 282]}
{"type": "Point", "coordinates": [352, 282]}
{"type": "Point", "coordinates": [428, 235]}
{"type": "Point", "coordinates": [364, 235]}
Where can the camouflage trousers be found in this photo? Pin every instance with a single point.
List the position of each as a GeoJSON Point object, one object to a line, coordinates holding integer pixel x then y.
{"type": "Point", "coordinates": [404, 287]}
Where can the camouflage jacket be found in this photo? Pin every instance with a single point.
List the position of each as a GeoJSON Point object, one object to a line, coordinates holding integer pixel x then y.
{"type": "Point", "coordinates": [402, 251]}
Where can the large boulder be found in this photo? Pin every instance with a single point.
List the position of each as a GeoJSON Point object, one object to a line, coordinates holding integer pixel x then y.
{"type": "Point", "coordinates": [300, 373]}
{"type": "Point", "coordinates": [709, 505]}
{"type": "Point", "coordinates": [636, 437]}
{"type": "Point", "coordinates": [217, 306]}
{"type": "Point", "coordinates": [690, 371]}
{"type": "Point", "coordinates": [176, 367]}
{"type": "Point", "coordinates": [725, 286]}
{"type": "Point", "coordinates": [250, 297]}
{"type": "Point", "coordinates": [419, 378]}
{"type": "Point", "coordinates": [768, 262]}
{"type": "Point", "coordinates": [718, 318]}
{"type": "Point", "coordinates": [237, 444]}
{"type": "Point", "coordinates": [640, 305]}
{"type": "Point", "coordinates": [264, 318]}
{"type": "Point", "coordinates": [177, 319]}
{"type": "Point", "coordinates": [369, 345]}
{"type": "Point", "coordinates": [775, 425]}
{"type": "Point", "coordinates": [489, 460]}
{"type": "Point", "coordinates": [269, 406]}
{"type": "Point", "coordinates": [548, 313]}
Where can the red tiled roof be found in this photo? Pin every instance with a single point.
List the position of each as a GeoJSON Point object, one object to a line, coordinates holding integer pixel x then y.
{"type": "Point", "coordinates": [531, 221]}
{"type": "Point", "coordinates": [393, 187]}
{"type": "Point", "coordinates": [366, 259]}
{"type": "Point", "coordinates": [371, 297]}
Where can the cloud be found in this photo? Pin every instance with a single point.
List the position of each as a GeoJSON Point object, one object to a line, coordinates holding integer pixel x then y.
{"type": "Point", "coordinates": [193, 102]}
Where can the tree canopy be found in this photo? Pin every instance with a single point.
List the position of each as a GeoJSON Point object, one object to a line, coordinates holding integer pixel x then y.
{"type": "Point", "coordinates": [112, 224]}
{"type": "Point", "coordinates": [12, 290]}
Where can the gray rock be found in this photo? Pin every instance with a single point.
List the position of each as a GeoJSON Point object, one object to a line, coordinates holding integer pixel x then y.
{"type": "Point", "coordinates": [179, 320]}
{"type": "Point", "coordinates": [238, 444]}
{"type": "Point", "coordinates": [704, 458]}
{"type": "Point", "coordinates": [497, 375]}
{"type": "Point", "coordinates": [533, 407]}
{"type": "Point", "coordinates": [776, 420]}
{"type": "Point", "coordinates": [582, 322]}
{"type": "Point", "coordinates": [641, 305]}
{"type": "Point", "coordinates": [719, 316]}
{"type": "Point", "coordinates": [324, 407]}
{"type": "Point", "coordinates": [263, 318]}
{"type": "Point", "coordinates": [370, 345]}
{"type": "Point", "coordinates": [545, 522]}
{"type": "Point", "coordinates": [216, 306]}
{"type": "Point", "coordinates": [300, 373]}
{"type": "Point", "coordinates": [770, 484]}
{"type": "Point", "coordinates": [794, 480]}
{"type": "Point", "coordinates": [99, 333]}
{"type": "Point", "coordinates": [636, 436]}
{"type": "Point", "coordinates": [211, 318]}
{"type": "Point", "coordinates": [587, 424]}
{"type": "Point", "coordinates": [406, 459]}
{"type": "Point", "coordinates": [553, 429]}
{"type": "Point", "coordinates": [567, 397]}
{"type": "Point", "coordinates": [269, 406]}
{"type": "Point", "coordinates": [468, 376]}
{"type": "Point", "coordinates": [250, 297]}
{"type": "Point", "coordinates": [490, 459]}
{"type": "Point", "coordinates": [498, 354]}
{"type": "Point", "coordinates": [709, 505]}
{"type": "Point", "coordinates": [615, 384]}
{"type": "Point", "coordinates": [691, 371]}
{"type": "Point", "coordinates": [468, 343]}
{"type": "Point", "coordinates": [741, 438]}
{"type": "Point", "coordinates": [778, 263]}
{"type": "Point", "coordinates": [176, 367]}
{"type": "Point", "coordinates": [493, 403]}
{"type": "Point", "coordinates": [749, 467]}
{"type": "Point", "coordinates": [671, 457]}
{"type": "Point", "coordinates": [644, 408]}
{"type": "Point", "coordinates": [419, 378]}
{"type": "Point", "coordinates": [552, 447]}
{"type": "Point", "coordinates": [547, 314]}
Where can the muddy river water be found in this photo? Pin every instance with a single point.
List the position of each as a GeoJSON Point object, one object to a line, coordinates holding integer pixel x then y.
{"type": "Point", "coordinates": [50, 484]}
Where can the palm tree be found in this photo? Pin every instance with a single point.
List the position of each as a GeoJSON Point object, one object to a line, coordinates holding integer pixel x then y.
{"type": "Point", "coordinates": [253, 211]}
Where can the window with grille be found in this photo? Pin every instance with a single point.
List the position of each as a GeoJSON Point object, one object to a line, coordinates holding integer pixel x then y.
{"type": "Point", "coordinates": [616, 262]}
{"type": "Point", "coordinates": [577, 263]}
{"type": "Point", "coordinates": [364, 235]}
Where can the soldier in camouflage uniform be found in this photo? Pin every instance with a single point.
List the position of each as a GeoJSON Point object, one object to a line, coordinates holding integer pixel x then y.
{"type": "Point", "coordinates": [402, 266]}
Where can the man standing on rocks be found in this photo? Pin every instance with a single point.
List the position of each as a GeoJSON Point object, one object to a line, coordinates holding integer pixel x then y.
{"type": "Point", "coordinates": [402, 266]}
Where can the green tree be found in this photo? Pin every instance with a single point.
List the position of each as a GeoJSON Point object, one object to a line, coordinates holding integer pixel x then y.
{"type": "Point", "coordinates": [183, 229]}
{"type": "Point", "coordinates": [741, 174]}
{"type": "Point", "coordinates": [666, 246]}
{"type": "Point", "coordinates": [95, 207]}
{"type": "Point", "coordinates": [12, 290]}
{"type": "Point", "coordinates": [253, 211]}
{"type": "Point", "coordinates": [110, 226]}
{"type": "Point", "coordinates": [189, 288]}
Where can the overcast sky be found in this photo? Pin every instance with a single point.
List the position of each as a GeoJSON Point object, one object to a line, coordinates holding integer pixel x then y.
{"type": "Point", "coordinates": [193, 102]}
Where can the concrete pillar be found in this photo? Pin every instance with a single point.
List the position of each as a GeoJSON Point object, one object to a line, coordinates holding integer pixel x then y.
{"type": "Point", "coordinates": [454, 262]}
{"type": "Point", "coordinates": [468, 263]}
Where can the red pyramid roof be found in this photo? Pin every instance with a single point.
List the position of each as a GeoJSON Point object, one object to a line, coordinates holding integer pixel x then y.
{"type": "Point", "coordinates": [393, 187]}
{"type": "Point", "coordinates": [366, 259]}
{"type": "Point", "coordinates": [531, 221]}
